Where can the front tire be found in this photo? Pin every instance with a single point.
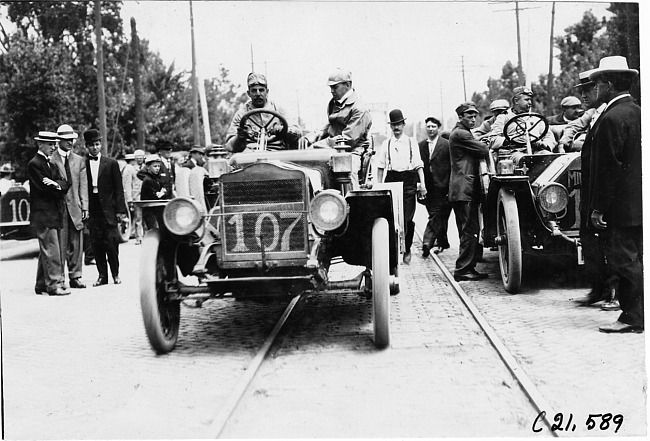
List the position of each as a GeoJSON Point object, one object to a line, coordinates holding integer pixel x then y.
{"type": "Point", "coordinates": [510, 257]}
{"type": "Point", "coordinates": [380, 283]}
{"type": "Point", "coordinates": [161, 316]}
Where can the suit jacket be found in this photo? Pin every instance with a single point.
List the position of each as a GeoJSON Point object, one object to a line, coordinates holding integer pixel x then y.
{"type": "Point", "coordinates": [76, 199]}
{"type": "Point", "coordinates": [167, 175]}
{"type": "Point", "coordinates": [46, 201]}
{"type": "Point", "coordinates": [437, 168]}
{"type": "Point", "coordinates": [465, 153]}
{"type": "Point", "coordinates": [110, 190]}
{"type": "Point", "coordinates": [614, 179]}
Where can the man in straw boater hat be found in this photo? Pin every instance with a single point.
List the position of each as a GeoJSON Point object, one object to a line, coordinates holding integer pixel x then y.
{"type": "Point", "coordinates": [106, 207]}
{"type": "Point", "coordinates": [592, 245]}
{"type": "Point", "coordinates": [75, 210]}
{"type": "Point", "coordinates": [613, 193]}
{"type": "Point", "coordinates": [47, 191]}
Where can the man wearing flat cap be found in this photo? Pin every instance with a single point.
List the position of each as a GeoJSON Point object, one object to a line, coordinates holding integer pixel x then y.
{"type": "Point", "coordinates": [522, 102]}
{"type": "Point", "coordinates": [570, 110]}
{"type": "Point", "coordinates": [107, 207]}
{"type": "Point", "coordinates": [238, 139]}
{"type": "Point", "coordinates": [47, 191]}
{"type": "Point", "coordinates": [497, 107]}
{"type": "Point", "coordinates": [349, 120]}
{"type": "Point", "coordinates": [587, 90]}
{"type": "Point", "coordinates": [199, 176]}
{"type": "Point", "coordinates": [614, 192]}
{"type": "Point", "coordinates": [465, 153]}
{"type": "Point", "coordinates": [76, 203]}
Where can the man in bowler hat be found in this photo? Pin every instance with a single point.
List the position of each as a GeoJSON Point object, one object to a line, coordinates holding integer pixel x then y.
{"type": "Point", "coordinates": [47, 190]}
{"type": "Point", "coordinates": [107, 207]}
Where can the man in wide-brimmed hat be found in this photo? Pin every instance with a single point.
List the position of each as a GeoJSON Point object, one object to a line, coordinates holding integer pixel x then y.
{"type": "Point", "coordinates": [76, 203]}
{"type": "Point", "coordinates": [47, 190]}
{"type": "Point", "coordinates": [399, 155]}
{"type": "Point", "coordinates": [613, 195]}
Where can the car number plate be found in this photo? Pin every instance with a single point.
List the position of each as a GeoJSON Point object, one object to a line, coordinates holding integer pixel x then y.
{"type": "Point", "coordinates": [272, 231]}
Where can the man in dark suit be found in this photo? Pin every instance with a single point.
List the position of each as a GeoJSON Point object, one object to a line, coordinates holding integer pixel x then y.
{"type": "Point", "coordinates": [47, 190]}
{"type": "Point", "coordinates": [434, 152]}
{"type": "Point", "coordinates": [107, 207]}
{"type": "Point", "coordinates": [167, 172]}
{"type": "Point", "coordinates": [614, 190]}
{"type": "Point", "coordinates": [465, 189]}
{"type": "Point", "coordinates": [76, 204]}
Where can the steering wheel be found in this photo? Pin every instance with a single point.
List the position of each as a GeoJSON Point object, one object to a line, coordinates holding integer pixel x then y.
{"type": "Point", "coordinates": [285, 126]}
{"type": "Point", "coordinates": [520, 126]}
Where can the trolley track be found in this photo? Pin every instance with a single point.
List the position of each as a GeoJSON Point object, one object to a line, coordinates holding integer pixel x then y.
{"type": "Point", "coordinates": [527, 386]}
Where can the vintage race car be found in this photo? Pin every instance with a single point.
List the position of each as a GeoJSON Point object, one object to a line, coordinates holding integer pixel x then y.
{"type": "Point", "coordinates": [275, 222]}
{"type": "Point", "coordinates": [14, 214]}
{"type": "Point", "coordinates": [531, 206]}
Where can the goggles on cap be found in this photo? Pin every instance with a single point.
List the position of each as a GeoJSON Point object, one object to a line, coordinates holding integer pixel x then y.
{"type": "Point", "coordinates": [521, 90]}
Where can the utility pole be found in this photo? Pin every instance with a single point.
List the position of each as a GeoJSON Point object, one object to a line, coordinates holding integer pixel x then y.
{"type": "Point", "coordinates": [195, 92]}
{"type": "Point", "coordinates": [137, 86]}
{"type": "Point", "coordinates": [252, 62]}
{"type": "Point", "coordinates": [520, 69]}
{"type": "Point", "coordinates": [549, 85]}
{"type": "Point", "coordinates": [101, 98]}
{"type": "Point", "coordinates": [462, 63]}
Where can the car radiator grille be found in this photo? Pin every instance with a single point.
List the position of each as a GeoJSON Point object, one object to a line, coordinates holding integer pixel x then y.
{"type": "Point", "coordinates": [264, 216]}
{"type": "Point", "coordinates": [263, 192]}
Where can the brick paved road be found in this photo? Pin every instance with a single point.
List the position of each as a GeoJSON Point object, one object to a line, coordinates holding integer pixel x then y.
{"type": "Point", "coordinates": [80, 366]}
{"type": "Point", "coordinates": [576, 368]}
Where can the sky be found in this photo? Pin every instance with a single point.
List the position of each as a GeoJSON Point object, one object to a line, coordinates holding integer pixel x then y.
{"type": "Point", "coordinates": [407, 55]}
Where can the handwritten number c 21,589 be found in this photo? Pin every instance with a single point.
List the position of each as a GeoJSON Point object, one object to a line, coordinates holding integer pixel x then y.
{"type": "Point", "coordinates": [595, 421]}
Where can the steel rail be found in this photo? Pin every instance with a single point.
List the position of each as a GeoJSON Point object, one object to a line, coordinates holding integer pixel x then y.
{"type": "Point", "coordinates": [525, 383]}
{"type": "Point", "coordinates": [219, 423]}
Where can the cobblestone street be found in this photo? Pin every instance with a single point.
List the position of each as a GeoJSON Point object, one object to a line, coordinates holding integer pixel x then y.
{"type": "Point", "coordinates": [80, 366]}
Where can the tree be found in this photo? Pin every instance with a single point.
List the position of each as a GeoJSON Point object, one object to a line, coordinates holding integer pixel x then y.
{"type": "Point", "coordinates": [623, 30]}
{"type": "Point", "coordinates": [223, 99]}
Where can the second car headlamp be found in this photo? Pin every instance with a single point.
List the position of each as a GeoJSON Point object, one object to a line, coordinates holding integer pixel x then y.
{"type": "Point", "coordinates": [328, 210]}
{"type": "Point", "coordinates": [553, 198]}
{"type": "Point", "coordinates": [182, 216]}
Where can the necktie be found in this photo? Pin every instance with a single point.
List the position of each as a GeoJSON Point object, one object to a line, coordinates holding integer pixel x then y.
{"type": "Point", "coordinates": [68, 173]}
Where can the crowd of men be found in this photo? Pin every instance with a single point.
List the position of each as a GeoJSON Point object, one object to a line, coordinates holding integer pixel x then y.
{"type": "Point", "coordinates": [442, 172]}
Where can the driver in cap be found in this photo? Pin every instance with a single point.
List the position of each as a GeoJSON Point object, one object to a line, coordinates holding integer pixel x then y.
{"type": "Point", "coordinates": [522, 102]}
{"type": "Point", "coordinates": [239, 138]}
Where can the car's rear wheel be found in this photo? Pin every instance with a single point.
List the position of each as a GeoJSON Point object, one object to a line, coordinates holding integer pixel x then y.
{"type": "Point", "coordinates": [161, 316]}
{"type": "Point", "coordinates": [509, 233]}
{"type": "Point", "coordinates": [380, 283]}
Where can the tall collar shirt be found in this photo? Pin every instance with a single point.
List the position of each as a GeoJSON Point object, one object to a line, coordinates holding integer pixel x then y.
{"type": "Point", "coordinates": [599, 110]}
{"type": "Point", "coordinates": [94, 172]}
{"type": "Point", "coordinates": [63, 154]}
{"type": "Point", "coordinates": [401, 154]}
